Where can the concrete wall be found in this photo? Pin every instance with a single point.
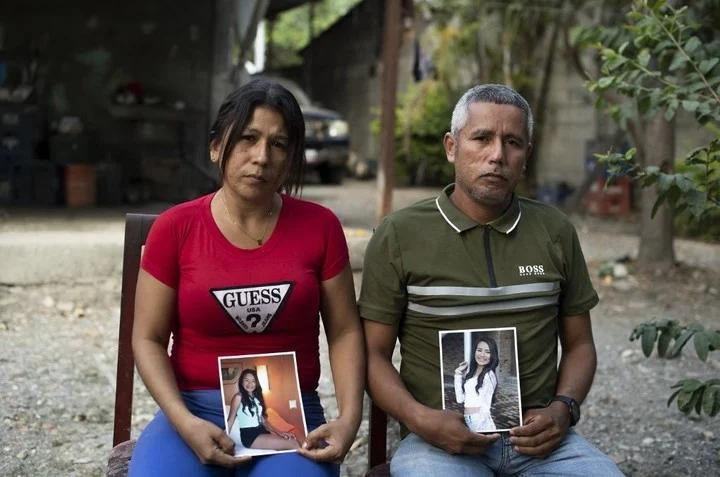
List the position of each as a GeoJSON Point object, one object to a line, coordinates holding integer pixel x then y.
{"type": "Point", "coordinates": [342, 71]}
{"type": "Point", "coordinates": [570, 122]}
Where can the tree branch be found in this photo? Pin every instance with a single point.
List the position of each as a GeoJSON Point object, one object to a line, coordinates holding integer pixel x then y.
{"type": "Point", "coordinates": [682, 50]}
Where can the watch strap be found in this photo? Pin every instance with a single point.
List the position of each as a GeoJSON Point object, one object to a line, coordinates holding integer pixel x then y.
{"type": "Point", "coordinates": [573, 407]}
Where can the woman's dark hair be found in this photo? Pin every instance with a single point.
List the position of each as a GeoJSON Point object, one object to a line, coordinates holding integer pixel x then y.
{"type": "Point", "coordinates": [246, 400]}
{"type": "Point", "coordinates": [491, 366]}
{"type": "Point", "coordinates": [236, 112]}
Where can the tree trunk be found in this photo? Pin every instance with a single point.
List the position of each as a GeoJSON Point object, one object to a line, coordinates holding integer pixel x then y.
{"type": "Point", "coordinates": [506, 40]}
{"type": "Point", "coordinates": [390, 54]}
{"type": "Point", "coordinates": [540, 106]}
{"type": "Point", "coordinates": [656, 233]}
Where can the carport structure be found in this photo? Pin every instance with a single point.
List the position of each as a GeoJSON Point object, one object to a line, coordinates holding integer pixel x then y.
{"type": "Point", "coordinates": [125, 89]}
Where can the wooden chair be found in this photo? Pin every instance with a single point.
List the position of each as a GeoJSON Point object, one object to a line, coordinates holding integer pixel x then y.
{"type": "Point", "coordinates": [137, 227]}
{"type": "Point", "coordinates": [377, 443]}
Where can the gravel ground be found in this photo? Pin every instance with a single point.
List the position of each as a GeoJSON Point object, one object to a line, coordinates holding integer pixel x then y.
{"type": "Point", "coordinates": [57, 372]}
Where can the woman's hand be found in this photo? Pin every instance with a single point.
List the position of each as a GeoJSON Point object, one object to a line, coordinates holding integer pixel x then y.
{"type": "Point", "coordinates": [460, 370]}
{"type": "Point", "coordinates": [329, 442]}
{"type": "Point", "coordinates": [210, 443]}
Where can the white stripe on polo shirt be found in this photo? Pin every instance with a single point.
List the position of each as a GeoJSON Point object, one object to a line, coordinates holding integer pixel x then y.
{"type": "Point", "coordinates": [516, 222]}
{"type": "Point", "coordinates": [521, 304]}
{"type": "Point", "coordinates": [480, 291]}
{"type": "Point", "coordinates": [437, 204]}
{"type": "Point", "coordinates": [457, 229]}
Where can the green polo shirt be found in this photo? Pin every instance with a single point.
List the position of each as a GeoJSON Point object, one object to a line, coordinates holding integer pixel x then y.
{"type": "Point", "coordinates": [429, 268]}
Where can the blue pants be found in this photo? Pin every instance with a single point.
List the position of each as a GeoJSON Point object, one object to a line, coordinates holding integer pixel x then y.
{"type": "Point", "coordinates": [160, 451]}
{"type": "Point", "coordinates": [573, 457]}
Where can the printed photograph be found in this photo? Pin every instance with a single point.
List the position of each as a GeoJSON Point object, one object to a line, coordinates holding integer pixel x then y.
{"type": "Point", "coordinates": [262, 403]}
{"type": "Point", "coordinates": [480, 378]}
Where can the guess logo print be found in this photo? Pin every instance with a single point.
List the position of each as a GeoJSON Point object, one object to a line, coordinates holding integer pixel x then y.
{"type": "Point", "coordinates": [253, 308]}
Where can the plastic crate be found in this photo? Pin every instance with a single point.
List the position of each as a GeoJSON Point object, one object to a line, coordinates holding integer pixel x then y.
{"type": "Point", "coordinates": [613, 200]}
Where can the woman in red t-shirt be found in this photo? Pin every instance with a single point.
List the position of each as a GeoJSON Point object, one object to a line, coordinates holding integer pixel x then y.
{"type": "Point", "coordinates": [245, 270]}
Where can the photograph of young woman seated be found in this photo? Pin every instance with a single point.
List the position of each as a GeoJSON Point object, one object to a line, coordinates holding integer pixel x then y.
{"type": "Point", "coordinates": [249, 412]}
{"type": "Point", "coordinates": [247, 269]}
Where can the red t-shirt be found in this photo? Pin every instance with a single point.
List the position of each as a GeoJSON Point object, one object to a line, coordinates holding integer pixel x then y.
{"type": "Point", "coordinates": [232, 301]}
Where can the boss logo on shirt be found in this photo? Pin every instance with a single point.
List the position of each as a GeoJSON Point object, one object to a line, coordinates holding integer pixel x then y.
{"type": "Point", "coordinates": [530, 270]}
{"type": "Point", "coordinates": [253, 308]}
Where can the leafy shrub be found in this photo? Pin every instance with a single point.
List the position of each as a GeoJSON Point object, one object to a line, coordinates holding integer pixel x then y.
{"type": "Point", "coordinates": [692, 394]}
{"type": "Point", "coordinates": [423, 117]}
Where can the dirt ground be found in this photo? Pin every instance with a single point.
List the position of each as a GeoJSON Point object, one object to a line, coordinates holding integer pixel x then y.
{"type": "Point", "coordinates": [57, 373]}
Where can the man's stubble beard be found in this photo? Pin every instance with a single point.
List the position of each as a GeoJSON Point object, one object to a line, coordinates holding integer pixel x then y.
{"type": "Point", "coordinates": [483, 197]}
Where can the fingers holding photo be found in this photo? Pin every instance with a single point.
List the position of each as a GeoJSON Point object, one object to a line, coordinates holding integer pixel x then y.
{"type": "Point", "coordinates": [329, 442]}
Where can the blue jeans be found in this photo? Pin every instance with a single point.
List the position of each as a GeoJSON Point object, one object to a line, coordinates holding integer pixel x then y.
{"type": "Point", "coordinates": [573, 457]}
{"type": "Point", "coordinates": [160, 451]}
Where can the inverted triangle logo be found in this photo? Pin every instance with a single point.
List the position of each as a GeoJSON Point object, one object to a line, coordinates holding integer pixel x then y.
{"type": "Point", "coordinates": [253, 308]}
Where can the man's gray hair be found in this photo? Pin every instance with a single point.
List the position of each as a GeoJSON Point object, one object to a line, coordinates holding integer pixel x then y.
{"type": "Point", "coordinates": [490, 93]}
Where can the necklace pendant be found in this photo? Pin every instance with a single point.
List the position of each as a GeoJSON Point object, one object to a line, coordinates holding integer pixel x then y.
{"type": "Point", "coordinates": [259, 241]}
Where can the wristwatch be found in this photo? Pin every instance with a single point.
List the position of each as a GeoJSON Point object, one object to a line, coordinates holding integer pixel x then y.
{"type": "Point", "coordinates": [572, 405]}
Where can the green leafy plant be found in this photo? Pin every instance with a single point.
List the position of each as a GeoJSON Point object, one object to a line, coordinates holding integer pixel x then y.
{"type": "Point", "coordinates": [422, 119]}
{"type": "Point", "coordinates": [671, 337]}
{"type": "Point", "coordinates": [658, 59]}
{"type": "Point", "coordinates": [663, 60]}
{"type": "Point", "coordinates": [422, 114]}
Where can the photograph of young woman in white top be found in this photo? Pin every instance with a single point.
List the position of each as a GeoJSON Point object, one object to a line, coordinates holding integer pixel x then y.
{"type": "Point", "coordinates": [479, 375]}
{"type": "Point", "coordinates": [248, 408]}
{"type": "Point", "coordinates": [476, 384]}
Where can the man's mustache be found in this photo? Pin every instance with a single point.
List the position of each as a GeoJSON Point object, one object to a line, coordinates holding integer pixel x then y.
{"type": "Point", "coordinates": [495, 175]}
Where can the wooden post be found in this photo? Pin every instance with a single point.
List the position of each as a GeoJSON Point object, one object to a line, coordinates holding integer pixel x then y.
{"type": "Point", "coordinates": [309, 57]}
{"type": "Point", "coordinates": [390, 54]}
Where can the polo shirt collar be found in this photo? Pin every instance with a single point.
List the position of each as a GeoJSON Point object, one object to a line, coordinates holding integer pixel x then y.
{"type": "Point", "coordinates": [460, 222]}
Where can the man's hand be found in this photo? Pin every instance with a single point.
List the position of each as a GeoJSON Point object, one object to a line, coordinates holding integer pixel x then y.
{"type": "Point", "coordinates": [447, 430]}
{"type": "Point", "coordinates": [544, 429]}
{"type": "Point", "coordinates": [210, 443]}
{"type": "Point", "coordinates": [329, 442]}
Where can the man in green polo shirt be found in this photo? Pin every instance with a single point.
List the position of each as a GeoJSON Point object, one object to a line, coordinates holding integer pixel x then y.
{"type": "Point", "coordinates": [478, 256]}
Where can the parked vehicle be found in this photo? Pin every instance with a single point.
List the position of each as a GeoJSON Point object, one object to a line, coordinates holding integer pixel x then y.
{"type": "Point", "coordinates": [327, 140]}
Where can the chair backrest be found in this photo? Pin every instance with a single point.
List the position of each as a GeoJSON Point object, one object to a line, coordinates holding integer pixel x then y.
{"type": "Point", "coordinates": [137, 227]}
{"type": "Point", "coordinates": [377, 441]}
